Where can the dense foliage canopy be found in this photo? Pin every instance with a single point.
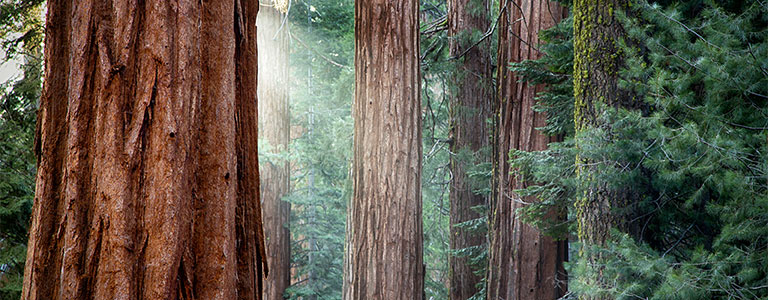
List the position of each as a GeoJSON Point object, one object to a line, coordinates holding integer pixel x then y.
{"type": "Point", "coordinates": [693, 148]}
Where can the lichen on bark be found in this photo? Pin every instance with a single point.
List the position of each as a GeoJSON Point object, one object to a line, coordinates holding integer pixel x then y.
{"type": "Point", "coordinates": [596, 61]}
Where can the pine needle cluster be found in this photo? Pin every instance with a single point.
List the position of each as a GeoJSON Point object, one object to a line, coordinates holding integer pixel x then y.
{"type": "Point", "coordinates": [693, 152]}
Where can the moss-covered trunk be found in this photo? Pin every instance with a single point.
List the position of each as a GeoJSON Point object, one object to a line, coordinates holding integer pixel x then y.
{"type": "Point", "coordinates": [597, 59]}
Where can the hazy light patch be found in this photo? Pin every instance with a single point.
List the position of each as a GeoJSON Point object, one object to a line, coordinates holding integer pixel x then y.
{"type": "Point", "coordinates": [9, 70]}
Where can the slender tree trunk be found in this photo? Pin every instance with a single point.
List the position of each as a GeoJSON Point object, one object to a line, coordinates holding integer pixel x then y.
{"type": "Point", "coordinates": [384, 228]}
{"type": "Point", "coordinates": [524, 263]}
{"type": "Point", "coordinates": [596, 64]}
{"type": "Point", "coordinates": [147, 184]}
{"type": "Point", "coordinates": [275, 128]}
{"type": "Point", "coordinates": [471, 107]}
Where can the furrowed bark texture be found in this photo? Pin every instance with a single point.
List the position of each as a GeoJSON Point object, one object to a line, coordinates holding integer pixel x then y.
{"type": "Point", "coordinates": [147, 184]}
{"type": "Point", "coordinates": [597, 60]}
{"type": "Point", "coordinates": [275, 128]}
{"type": "Point", "coordinates": [384, 227]}
{"type": "Point", "coordinates": [524, 263]}
{"type": "Point", "coordinates": [471, 107]}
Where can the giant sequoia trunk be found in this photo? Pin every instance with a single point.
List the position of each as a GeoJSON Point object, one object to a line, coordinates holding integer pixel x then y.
{"type": "Point", "coordinates": [595, 77]}
{"type": "Point", "coordinates": [274, 127]}
{"type": "Point", "coordinates": [384, 229]}
{"type": "Point", "coordinates": [471, 107]}
{"type": "Point", "coordinates": [524, 263]}
{"type": "Point", "coordinates": [148, 183]}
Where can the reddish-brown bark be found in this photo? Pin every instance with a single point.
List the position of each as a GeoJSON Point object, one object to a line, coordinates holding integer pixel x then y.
{"type": "Point", "coordinates": [384, 227]}
{"type": "Point", "coordinates": [147, 184]}
{"type": "Point", "coordinates": [524, 263]}
{"type": "Point", "coordinates": [275, 176]}
{"type": "Point", "coordinates": [471, 106]}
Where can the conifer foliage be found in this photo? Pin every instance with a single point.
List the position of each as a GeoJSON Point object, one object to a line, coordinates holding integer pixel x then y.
{"type": "Point", "coordinates": [691, 153]}
{"type": "Point", "coordinates": [21, 32]}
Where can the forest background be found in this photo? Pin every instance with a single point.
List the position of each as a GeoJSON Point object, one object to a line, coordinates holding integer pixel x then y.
{"type": "Point", "coordinates": [692, 149]}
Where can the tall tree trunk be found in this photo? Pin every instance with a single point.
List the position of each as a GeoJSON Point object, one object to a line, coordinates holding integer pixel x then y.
{"type": "Point", "coordinates": [147, 184]}
{"type": "Point", "coordinates": [471, 107]}
{"type": "Point", "coordinates": [275, 128]}
{"type": "Point", "coordinates": [384, 229]}
{"type": "Point", "coordinates": [596, 65]}
{"type": "Point", "coordinates": [524, 263]}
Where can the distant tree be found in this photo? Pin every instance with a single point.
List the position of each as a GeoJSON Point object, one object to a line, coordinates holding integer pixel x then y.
{"type": "Point", "coordinates": [525, 263]}
{"type": "Point", "coordinates": [147, 183]}
{"type": "Point", "coordinates": [384, 222]}
{"type": "Point", "coordinates": [470, 109]}
{"type": "Point", "coordinates": [274, 127]}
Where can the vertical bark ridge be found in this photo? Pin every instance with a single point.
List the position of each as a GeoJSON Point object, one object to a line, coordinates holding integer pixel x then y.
{"type": "Point", "coordinates": [42, 261]}
{"type": "Point", "coordinates": [251, 251]}
{"type": "Point", "coordinates": [384, 229]}
{"type": "Point", "coordinates": [533, 267]}
{"type": "Point", "coordinates": [77, 177]}
{"type": "Point", "coordinates": [137, 134]}
{"type": "Point", "coordinates": [166, 187]}
{"type": "Point", "coordinates": [217, 158]}
{"type": "Point", "coordinates": [113, 227]}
